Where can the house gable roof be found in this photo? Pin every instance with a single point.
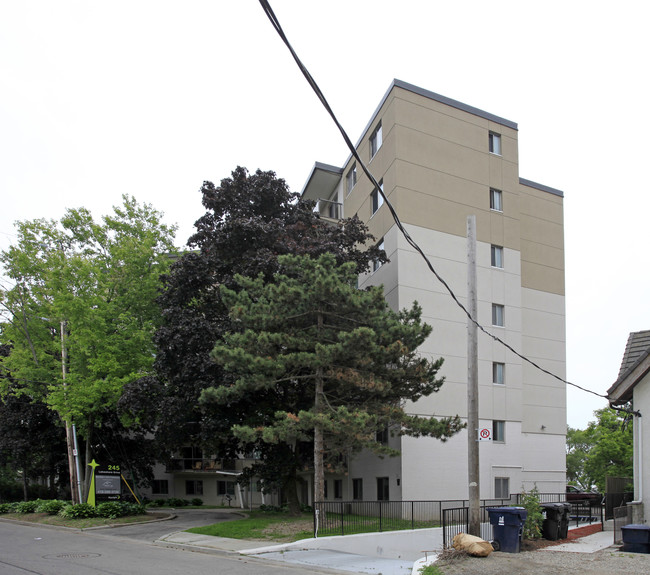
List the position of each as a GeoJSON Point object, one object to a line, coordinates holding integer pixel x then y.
{"type": "Point", "coordinates": [635, 365]}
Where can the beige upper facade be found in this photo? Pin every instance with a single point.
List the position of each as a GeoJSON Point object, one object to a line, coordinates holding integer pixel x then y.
{"type": "Point", "coordinates": [440, 161]}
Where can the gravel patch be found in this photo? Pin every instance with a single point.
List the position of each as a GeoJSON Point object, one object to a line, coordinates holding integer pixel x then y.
{"type": "Point", "coordinates": [609, 561]}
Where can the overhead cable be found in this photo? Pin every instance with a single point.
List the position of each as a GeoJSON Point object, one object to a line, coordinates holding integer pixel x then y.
{"type": "Point", "coordinates": [276, 24]}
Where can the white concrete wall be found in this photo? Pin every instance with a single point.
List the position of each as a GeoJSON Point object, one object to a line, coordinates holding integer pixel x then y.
{"type": "Point", "coordinates": [532, 404]}
{"type": "Point", "coordinates": [642, 446]}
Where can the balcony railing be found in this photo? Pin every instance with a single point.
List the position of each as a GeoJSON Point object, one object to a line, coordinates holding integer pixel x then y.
{"type": "Point", "coordinates": [205, 465]}
{"type": "Point", "coordinates": [329, 209]}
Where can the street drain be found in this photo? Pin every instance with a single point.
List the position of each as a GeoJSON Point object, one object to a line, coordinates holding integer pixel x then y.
{"type": "Point", "coordinates": [72, 556]}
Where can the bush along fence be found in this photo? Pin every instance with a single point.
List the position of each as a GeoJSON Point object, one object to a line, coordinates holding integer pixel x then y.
{"type": "Point", "coordinates": [347, 517]}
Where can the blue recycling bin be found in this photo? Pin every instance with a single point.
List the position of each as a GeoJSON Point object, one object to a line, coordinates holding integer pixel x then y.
{"type": "Point", "coordinates": [636, 538]}
{"type": "Point", "coordinates": [508, 527]}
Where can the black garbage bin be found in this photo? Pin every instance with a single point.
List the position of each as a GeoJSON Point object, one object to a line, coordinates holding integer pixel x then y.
{"type": "Point", "coordinates": [551, 527]}
{"type": "Point", "coordinates": [636, 538]}
{"type": "Point", "coordinates": [508, 527]}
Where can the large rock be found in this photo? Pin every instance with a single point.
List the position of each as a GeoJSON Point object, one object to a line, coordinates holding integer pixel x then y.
{"type": "Point", "coordinates": [473, 545]}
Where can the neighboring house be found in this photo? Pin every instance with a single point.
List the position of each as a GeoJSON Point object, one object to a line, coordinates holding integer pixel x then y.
{"type": "Point", "coordinates": [439, 161]}
{"type": "Point", "coordinates": [633, 386]}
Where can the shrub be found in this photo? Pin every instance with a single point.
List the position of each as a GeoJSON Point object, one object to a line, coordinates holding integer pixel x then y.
{"type": "Point", "coordinates": [176, 502]}
{"type": "Point", "coordinates": [79, 511]}
{"type": "Point", "coordinates": [6, 507]}
{"type": "Point", "coordinates": [51, 506]}
{"type": "Point", "coordinates": [534, 519]}
{"type": "Point", "coordinates": [273, 508]}
{"type": "Point", "coordinates": [25, 506]}
{"type": "Point", "coordinates": [197, 502]}
{"type": "Point", "coordinates": [111, 509]}
{"type": "Point", "coordinates": [157, 502]}
{"type": "Point", "coordinates": [134, 509]}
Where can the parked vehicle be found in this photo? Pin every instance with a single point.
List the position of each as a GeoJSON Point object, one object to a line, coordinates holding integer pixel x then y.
{"type": "Point", "coordinates": [575, 494]}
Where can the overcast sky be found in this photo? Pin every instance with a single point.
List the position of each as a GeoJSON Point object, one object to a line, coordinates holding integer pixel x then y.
{"type": "Point", "coordinates": [150, 98]}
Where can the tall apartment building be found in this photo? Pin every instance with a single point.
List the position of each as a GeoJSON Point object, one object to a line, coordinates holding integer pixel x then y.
{"type": "Point", "coordinates": [439, 161]}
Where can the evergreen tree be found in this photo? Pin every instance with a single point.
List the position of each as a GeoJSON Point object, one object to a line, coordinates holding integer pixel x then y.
{"type": "Point", "coordinates": [323, 361]}
{"type": "Point", "coordinates": [250, 220]}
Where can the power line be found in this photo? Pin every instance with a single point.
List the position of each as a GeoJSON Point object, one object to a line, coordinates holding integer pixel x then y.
{"type": "Point", "coordinates": [276, 24]}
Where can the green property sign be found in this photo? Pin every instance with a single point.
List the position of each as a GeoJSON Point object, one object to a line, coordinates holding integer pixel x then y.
{"type": "Point", "coordinates": [105, 484]}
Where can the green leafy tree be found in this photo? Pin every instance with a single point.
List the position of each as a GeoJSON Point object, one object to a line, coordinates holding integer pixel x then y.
{"type": "Point", "coordinates": [32, 442]}
{"type": "Point", "coordinates": [250, 220]}
{"type": "Point", "coordinates": [332, 363]}
{"type": "Point", "coordinates": [604, 449]}
{"type": "Point", "coordinates": [578, 446]}
{"type": "Point", "coordinates": [611, 449]}
{"type": "Point", "coordinates": [81, 313]}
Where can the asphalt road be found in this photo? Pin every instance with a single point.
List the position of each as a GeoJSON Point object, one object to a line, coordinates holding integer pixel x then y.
{"type": "Point", "coordinates": [31, 549]}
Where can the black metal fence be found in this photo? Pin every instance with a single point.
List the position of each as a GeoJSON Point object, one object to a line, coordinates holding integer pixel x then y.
{"type": "Point", "coordinates": [346, 517]}
{"type": "Point", "coordinates": [456, 521]}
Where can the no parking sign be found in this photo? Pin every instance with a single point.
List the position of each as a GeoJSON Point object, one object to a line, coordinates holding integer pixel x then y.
{"type": "Point", "coordinates": [485, 434]}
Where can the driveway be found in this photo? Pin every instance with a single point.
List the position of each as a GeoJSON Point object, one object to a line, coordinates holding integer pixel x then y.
{"type": "Point", "coordinates": [184, 519]}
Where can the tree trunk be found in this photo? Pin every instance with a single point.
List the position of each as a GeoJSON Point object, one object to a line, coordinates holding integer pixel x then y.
{"type": "Point", "coordinates": [290, 489]}
{"type": "Point", "coordinates": [319, 471]}
{"type": "Point", "coordinates": [25, 492]}
{"type": "Point", "coordinates": [74, 493]}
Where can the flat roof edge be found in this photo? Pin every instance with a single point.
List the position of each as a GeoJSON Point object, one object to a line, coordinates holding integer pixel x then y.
{"type": "Point", "coordinates": [454, 103]}
{"type": "Point", "coordinates": [320, 166]}
{"type": "Point", "coordinates": [541, 187]}
{"type": "Point", "coordinates": [327, 168]}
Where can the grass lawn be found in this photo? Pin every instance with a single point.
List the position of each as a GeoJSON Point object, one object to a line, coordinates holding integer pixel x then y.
{"type": "Point", "coordinates": [262, 525]}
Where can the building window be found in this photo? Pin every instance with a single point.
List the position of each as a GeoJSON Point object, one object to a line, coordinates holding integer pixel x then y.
{"type": "Point", "coordinates": [351, 178]}
{"type": "Point", "coordinates": [498, 315]}
{"type": "Point", "coordinates": [338, 489]}
{"type": "Point", "coordinates": [194, 487]}
{"type": "Point", "coordinates": [502, 488]}
{"type": "Point", "coordinates": [376, 264]}
{"type": "Point", "coordinates": [382, 436]}
{"type": "Point", "coordinates": [496, 256]}
{"type": "Point", "coordinates": [376, 198]}
{"type": "Point", "coordinates": [499, 431]}
{"type": "Point", "coordinates": [382, 489]}
{"type": "Point", "coordinates": [225, 487]}
{"type": "Point", "coordinates": [498, 373]}
{"type": "Point", "coordinates": [325, 488]}
{"type": "Point", "coordinates": [496, 200]}
{"type": "Point", "coordinates": [160, 487]}
{"type": "Point", "coordinates": [357, 489]}
{"type": "Point", "coordinates": [375, 141]}
{"type": "Point", "coordinates": [495, 143]}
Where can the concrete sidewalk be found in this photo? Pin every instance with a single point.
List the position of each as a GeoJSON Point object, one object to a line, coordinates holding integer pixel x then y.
{"type": "Point", "coordinates": [375, 552]}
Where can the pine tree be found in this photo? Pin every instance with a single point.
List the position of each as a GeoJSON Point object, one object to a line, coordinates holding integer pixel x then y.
{"type": "Point", "coordinates": [323, 361]}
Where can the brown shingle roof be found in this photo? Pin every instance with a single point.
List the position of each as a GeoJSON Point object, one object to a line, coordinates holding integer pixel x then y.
{"type": "Point", "coordinates": [638, 345]}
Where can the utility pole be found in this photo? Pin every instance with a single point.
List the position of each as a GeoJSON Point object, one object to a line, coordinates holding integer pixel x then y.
{"type": "Point", "coordinates": [69, 439]}
{"type": "Point", "coordinates": [474, 519]}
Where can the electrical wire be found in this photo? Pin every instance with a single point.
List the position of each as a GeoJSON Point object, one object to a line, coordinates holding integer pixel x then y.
{"type": "Point", "coordinates": [276, 24]}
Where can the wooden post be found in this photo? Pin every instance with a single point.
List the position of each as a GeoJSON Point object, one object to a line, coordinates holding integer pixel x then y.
{"type": "Point", "coordinates": [472, 385]}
